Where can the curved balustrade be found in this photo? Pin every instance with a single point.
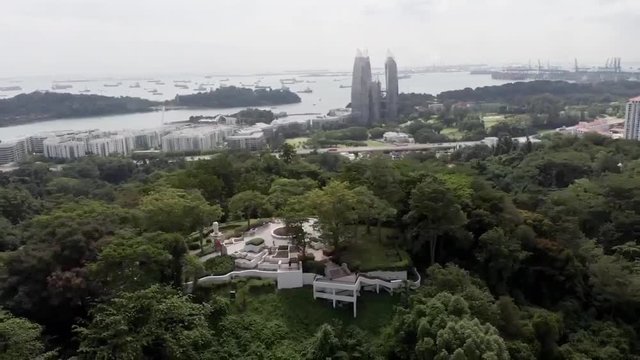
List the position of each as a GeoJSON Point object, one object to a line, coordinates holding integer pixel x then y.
{"type": "Point", "coordinates": [349, 292]}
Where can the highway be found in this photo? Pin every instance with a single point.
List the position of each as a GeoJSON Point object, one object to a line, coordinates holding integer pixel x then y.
{"type": "Point", "coordinates": [489, 141]}
{"type": "Point", "coordinates": [395, 148]}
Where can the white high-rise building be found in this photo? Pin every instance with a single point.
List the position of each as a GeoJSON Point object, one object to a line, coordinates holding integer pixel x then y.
{"type": "Point", "coordinates": [632, 119]}
{"type": "Point", "coordinates": [64, 148]}
{"type": "Point", "coordinates": [196, 138]}
{"type": "Point", "coordinates": [13, 151]}
{"type": "Point", "coordinates": [115, 144]}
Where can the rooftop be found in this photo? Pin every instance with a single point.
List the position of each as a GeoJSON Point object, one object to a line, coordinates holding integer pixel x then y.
{"type": "Point", "coordinates": [635, 99]}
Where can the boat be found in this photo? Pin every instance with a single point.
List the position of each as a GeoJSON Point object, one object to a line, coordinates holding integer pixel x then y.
{"type": "Point", "coordinates": [10, 88]}
{"type": "Point", "coordinates": [61, 86]}
{"type": "Point", "coordinates": [400, 77]}
{"type": "Point", "coordinates": [262, 87]}
{"type": "Point", "coordinates": [157, 93]}
{"type": "Point", "coordinates": [159, 82]}
{"type": "Point", "coordinates": [344, 86]}
{"type": "Point", "coordinates": [310, 82]}
{"type": "Point", "coordinates": [84, 91]}
{"type": "Point", "coordinates": [113, 85]}
{"type": "Point", "coordinates": [182, 81]}
{"type": "Point", "coordinates": [134, 86]}
{"type": "Point", "coordinates": [306, 91]}
{"type": "Point", "coordinates": [181, 86]}
{"type": "Point", "coordinates": [227, 79]}
{"type": "Point", "coordinates": [289, 81]}
{"type": "Point", "coordinates": [201, 88]}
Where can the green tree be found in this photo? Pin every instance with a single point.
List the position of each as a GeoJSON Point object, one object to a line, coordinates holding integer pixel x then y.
{"type": "Point", "coordinates": [9, 239]}
{"type": "Point", "coordinates": [336, 207]}
{"type": "Point", "coordinates": [295, 215]}
{"type": "Point", "coordinates": [442, 327]}
{"type": "Point", "coordinates": [174, 210]}
{"type": "Point", "coordinates": [287, 153]}
{"type": "Point", "coordinates": [248, 204]}
{"type": "Point", "coordinates": [324, 344]}
{"type": "Point", "coordinates": [371, 209]}
{"type": "Point", "coordinates": [501, 256]}
{"type": "Point", "coordinates": [434, 211]}
{"type": "Point", "coordinates": [130, 263]}
{"type": "Point", "coordinates": [376, 133]}
{"type": "Point", "coordinates": [283, 189]}
{"type": "Point", "coordinates": [46, 280]}
{"type": "Point", "coordinates": [155, 323]}
{"type": "Point", "coordinates": [17, 204]}
{"type": "Point", "coordinates": [20, 339]}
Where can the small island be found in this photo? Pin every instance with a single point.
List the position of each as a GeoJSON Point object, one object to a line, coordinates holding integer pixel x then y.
{"type": "Point", "coordinates": [232, 96]}
{"type": "Point", "coordinates": [41, 106]}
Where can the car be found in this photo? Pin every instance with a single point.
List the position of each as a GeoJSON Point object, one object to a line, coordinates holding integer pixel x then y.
{"type": "Point", "coordinates": [332, 149]}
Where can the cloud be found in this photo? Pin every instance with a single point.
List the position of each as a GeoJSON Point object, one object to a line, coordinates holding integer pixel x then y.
{"type": "Point", "coordinates": [123, 36]}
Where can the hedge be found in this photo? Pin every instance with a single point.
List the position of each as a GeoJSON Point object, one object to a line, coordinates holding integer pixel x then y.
{"type": "Point", "coordinates": [193, 246]}
{"type": "Point", "coordinates": [255, 242]}
{"type": "Point", "coordinates": [219, 265]}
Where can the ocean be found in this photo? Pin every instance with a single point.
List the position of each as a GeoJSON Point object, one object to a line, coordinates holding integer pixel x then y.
{"type": "Point", "coordinates": [326, 94]}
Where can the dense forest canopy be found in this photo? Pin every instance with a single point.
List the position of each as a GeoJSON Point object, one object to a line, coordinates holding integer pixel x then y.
{"type": "Point", "coordinates": [232, 96]}
{"type": "Point", "coordinates": [38, 106]}
{"type": "Point", "coordinates": [527, 252]}
{"type": "Point", "coordinates": [571, 93]}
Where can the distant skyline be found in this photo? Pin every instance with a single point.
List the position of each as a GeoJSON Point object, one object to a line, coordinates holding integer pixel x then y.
{"type": "Point", "coordinates": [129, 37]}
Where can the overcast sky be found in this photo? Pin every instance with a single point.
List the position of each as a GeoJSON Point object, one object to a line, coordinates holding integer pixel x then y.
{"type": "Point", "coordinates": [120, 37]}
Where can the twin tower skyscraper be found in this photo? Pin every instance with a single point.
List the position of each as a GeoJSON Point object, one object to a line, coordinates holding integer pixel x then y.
{"type": "Point", "coordinates": [368, 105]}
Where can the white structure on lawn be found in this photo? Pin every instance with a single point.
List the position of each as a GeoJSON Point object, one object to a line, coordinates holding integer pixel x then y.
{"type": "Point", "coordinates": [397, 137]}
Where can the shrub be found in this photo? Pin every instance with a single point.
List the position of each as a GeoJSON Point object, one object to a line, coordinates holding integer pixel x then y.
{"type": "Point", "coordinates": [207, 251]}
{"type": "Point", "coordinates": [219, 265]}
{"type": "Point", "coordinates": [256, 242]}
{"type": "Point", "coordinates": [260, 285]}
{"type": "Point", "coordinates": [312, 266]}
{"type": "Point", "coordinates": [193, 246]}
{"type": "Point", "coordinates": [239, 230]}
{"type": "Point", "coordinates": [282, 231]}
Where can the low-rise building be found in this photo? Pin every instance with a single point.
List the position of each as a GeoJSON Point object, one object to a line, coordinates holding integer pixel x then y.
{"type": "Point", "coordinates": [436, 107]}
{"type": "Point", "coordinates": [199, 138]}
{"type": "Point", "coordinates": [397, 137]}
{"type": "Point", "coordinates": [252, 138]}
{"type": "Point", "coordinates": [36, 145]}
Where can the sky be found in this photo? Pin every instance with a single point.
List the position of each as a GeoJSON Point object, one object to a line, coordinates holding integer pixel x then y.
{"type": "Point", "coordinates": [128, 37]}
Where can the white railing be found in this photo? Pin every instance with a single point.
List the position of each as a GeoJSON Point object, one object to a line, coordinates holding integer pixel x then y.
{"type": "Point", "coordinates": [362, 280]}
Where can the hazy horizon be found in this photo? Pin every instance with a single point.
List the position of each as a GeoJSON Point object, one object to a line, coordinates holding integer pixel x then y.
{"type": "Point", "coordinates": [119, 38]}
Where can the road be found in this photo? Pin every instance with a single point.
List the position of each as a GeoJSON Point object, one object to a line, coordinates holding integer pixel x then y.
{"type": "Point", "coordinates": [395, 148]}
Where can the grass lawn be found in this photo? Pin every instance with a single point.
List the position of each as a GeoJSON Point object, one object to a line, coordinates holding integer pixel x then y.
{"type": "Point", "coordinates": [375, 143]}
{"type": "Point", "coordinates": [303, 315]}
{"type": "Point", "coordinates": [298, 142]}
{"type": "Point", "coordinates": [491, 120]}
{"type": "Point", "coordinates": [368, 253]}
{"type": "Point", "coordinates": [452, 133]}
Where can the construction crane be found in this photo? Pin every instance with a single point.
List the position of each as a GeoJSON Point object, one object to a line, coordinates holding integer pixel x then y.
{"type": "Point", "coordinates": [577, 68]}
